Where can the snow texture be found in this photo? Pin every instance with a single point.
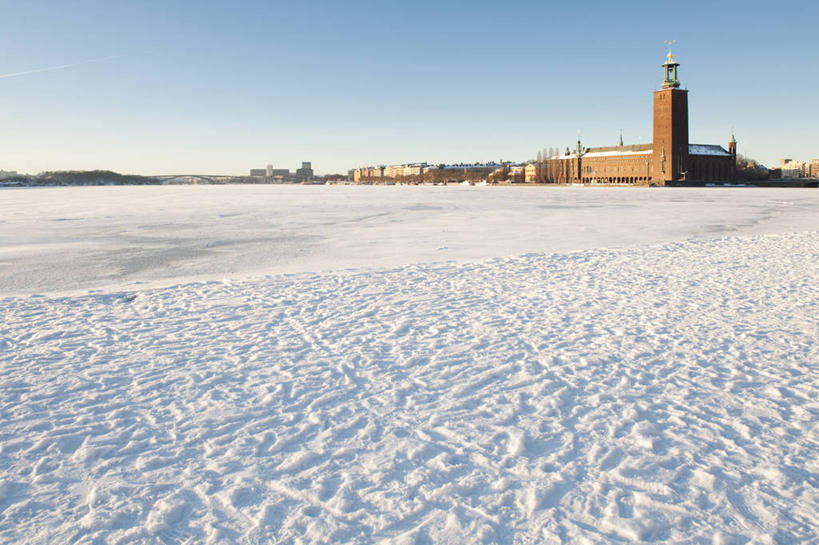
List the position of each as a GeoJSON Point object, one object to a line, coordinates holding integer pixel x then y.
{"type": "Point", "coordinates": [655, 392]}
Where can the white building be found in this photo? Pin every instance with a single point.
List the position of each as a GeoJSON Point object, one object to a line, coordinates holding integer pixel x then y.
{"type": "Point", "coordinates": [793, 169]}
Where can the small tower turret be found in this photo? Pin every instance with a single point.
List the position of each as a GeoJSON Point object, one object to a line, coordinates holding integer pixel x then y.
{"type": "Point", "coordinates": [732, 145]}
{"type": "Point", "coordinates": [670, 79]}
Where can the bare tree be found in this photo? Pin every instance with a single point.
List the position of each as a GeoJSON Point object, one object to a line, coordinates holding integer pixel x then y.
{"type": "Point", "coordinates": [748, 169]}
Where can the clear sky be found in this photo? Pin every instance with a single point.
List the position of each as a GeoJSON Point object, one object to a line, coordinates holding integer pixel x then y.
{"type": "Point", "coordinates": [221, 87]}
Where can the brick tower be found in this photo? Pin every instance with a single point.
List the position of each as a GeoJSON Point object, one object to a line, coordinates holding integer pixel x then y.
{"type": "Point", "coordinates": [670, 145]}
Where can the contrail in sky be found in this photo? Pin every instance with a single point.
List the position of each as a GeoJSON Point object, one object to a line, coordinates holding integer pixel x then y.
{"type": "Point", "coordinates": [60, 67]}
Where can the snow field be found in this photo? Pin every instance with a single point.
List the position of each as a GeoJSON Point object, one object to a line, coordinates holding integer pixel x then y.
{"type": "Point", "coordinates": [664, 393]}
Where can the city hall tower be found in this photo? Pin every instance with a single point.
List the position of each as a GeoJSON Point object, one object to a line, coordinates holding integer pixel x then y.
{"type": "Point", "coordinates": [670, 142]}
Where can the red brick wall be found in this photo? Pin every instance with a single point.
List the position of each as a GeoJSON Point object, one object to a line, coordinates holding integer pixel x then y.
{"type": "Point", "coordinates": [617, 169]}
{"type": "Point", "coordinates": [670, 135]}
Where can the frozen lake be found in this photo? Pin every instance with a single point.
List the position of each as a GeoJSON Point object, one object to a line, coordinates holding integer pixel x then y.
{"type": "Point", "coordinates": [73, 239]}
{"type": "Point", "coordinates": [437, 365]}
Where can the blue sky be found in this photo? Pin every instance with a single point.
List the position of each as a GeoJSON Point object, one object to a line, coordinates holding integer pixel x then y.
{"type": "Point", "coordinates": [221, 87]}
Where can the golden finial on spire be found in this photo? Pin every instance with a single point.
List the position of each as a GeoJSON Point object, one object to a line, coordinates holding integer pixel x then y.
{"type": "Point", "coordinates": [669, 44]}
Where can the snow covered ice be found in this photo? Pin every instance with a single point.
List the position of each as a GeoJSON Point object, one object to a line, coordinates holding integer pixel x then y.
{"type": "Point", "coordinates": [409, 365]}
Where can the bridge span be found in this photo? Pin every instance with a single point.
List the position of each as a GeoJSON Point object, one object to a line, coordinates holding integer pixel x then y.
{"type": "Point", "coordinates": [199, 178]}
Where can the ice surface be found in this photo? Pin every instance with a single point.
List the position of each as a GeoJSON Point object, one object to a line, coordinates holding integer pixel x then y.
{"type": "Point", "coordinates": [69, 240]}
{"type": "Point", "coordinates": [663, 389]}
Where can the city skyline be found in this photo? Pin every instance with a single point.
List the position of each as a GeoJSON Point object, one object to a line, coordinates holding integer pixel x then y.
{"type": "Point", "coordinates": [159, 88]}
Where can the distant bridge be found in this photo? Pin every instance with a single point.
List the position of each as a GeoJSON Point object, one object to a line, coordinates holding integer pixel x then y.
{"type": "Point", "coordinates": [198, 178]}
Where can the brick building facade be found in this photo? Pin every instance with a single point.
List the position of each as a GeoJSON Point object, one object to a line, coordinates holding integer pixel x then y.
{"type": "Point", "coordinates": [669, 160]}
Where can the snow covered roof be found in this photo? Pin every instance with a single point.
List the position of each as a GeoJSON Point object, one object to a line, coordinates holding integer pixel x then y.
{"type": "Point", "coordinates": [707, 149]}
{"type": "Point", "coordinates": [613, 153]}
{"type": "Point", "coordinates": [609, 151]}
{"type": "Point", "coordinates": [645, 149]}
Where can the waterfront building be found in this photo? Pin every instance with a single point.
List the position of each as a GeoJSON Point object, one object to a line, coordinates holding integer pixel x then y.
{"type": "Point", "coordinates": [272, 174]}
{"type": "Point", "coordinates": [414, 169]}
{"type": "Point", "coordinates": [277, 172]}
{"type": "Point", "coordinates": [669, 160]}
{"type": "Point", "coordinates": [305, 173]}
{"type": "Point", "coordinates": [530, 173]}
{"type": "Point", "coordinates": [508, 172]}
{"type": "Point", "coordinates": [794, 169]}
{"type": "Point", "coordinates": [377, 173]}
